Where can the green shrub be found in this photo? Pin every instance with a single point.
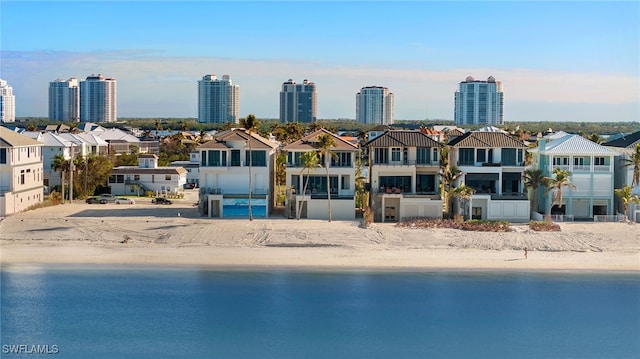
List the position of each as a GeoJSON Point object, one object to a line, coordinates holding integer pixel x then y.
{"type": "Point", "coordinates": [542, 226]}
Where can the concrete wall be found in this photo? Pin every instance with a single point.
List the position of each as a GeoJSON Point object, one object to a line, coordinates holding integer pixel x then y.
{"type": "Point", "coordinates": [341, 209]}
{"type": "Point", "coordinates": [506, 210]}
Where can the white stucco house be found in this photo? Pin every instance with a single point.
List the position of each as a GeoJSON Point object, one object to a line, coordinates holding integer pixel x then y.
{"type": "Point", "coordinates": [314, 203]}
{"type": "Point", "coordinates": [403, 168]}
{"type": "Point", "coordinates": [147, 176]}
{"type": "Point", "coordinates": [493, 164]}
{"type": "Point", "coordinates": [21, 173]}
{"type": "Point", "coordinates": [225, 175]}
{"type": "Point", "coordinates": [52, 145]}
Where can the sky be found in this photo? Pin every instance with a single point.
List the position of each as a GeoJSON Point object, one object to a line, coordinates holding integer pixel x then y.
{"type": "Point", "coordinates": [573, 61]}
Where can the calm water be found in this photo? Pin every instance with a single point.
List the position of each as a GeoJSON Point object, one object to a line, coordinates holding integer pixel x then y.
{"type": "Point", "coordinates": [193, 313]}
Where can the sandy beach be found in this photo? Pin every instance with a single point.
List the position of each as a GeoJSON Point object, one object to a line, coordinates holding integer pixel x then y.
{"type": "Point", "coordinates": [149, 234]}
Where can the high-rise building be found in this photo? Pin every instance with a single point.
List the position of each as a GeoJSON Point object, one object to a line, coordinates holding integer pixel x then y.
{"type": "Point", "coordinates": [64, 100]}
{"type": "Point", "coordinates": [298, 102]}
{"type": "Point", "coordinates": [7, 103]}
{"type": "Point", "coordinates": [479, 102]}
{"type": "Point", "coordinates": [98, 99]}
{"type": "Point", "coordinates": [218, 100]}
{"type": "Point", "coordinates": [374, 104]}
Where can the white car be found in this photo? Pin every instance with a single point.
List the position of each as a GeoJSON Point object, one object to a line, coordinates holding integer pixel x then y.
{"type": "Point", "coordinates": [121, 200]}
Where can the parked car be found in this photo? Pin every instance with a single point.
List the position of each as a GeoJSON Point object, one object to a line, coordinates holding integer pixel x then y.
{"type": "Point", "coordinates": [189, 186]}
{"type": "Point", "coordinates": [161, 200]}
{"type": "Point", "coordinates": [122, 200]}
{"type": "Point", "coordinates": [107, 197]}
{"type": "Point", "coordinates": [93, 200]}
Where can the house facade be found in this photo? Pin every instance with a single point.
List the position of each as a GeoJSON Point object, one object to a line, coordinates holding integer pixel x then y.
{"type": "Point", "coordinates": [592, 172]}
{"type": "Point", "coordinates": [52, 145]}
{"type": "Point", "coordinates": [626, 146]}
{"type": "Point", "coordinates": [224, 175]}
{"type": "Point", "coordinates": [20, 172]}
{"type": "Point", "coordinates": [403, 170]}
{"type": "Point", "coordinates": [147, 176]}
{"type": "Point", "coordinates": [341, 165]}
{"type": "Point", "coordinates": [492, 163]}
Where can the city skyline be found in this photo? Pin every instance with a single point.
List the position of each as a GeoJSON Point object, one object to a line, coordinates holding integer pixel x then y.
{"type": "Point", "coordinates": [558, 61]}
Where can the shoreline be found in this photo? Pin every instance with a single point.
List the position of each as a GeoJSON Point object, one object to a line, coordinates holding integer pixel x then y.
{"type": "Point", "coordinates": [146, 235]}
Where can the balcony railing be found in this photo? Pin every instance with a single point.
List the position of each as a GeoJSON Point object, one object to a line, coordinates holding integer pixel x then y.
{"type": "Point", "coordinates": [405, 163]}
{"type": "Point", "coordinates": [220, 191]}
{"type": "Point", "coordinates": [510, 196]}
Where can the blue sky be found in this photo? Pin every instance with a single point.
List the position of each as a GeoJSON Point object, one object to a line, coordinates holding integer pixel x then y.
{"type": "Point", "coordinates": [558, 61]}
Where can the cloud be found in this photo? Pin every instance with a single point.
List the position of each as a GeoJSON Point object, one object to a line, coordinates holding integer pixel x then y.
{"type": "Point", "coordinates": [150, 84]}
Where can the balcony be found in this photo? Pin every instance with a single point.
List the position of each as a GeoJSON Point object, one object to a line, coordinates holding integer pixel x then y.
{"type": "Point", "coordinates": [510, 196]}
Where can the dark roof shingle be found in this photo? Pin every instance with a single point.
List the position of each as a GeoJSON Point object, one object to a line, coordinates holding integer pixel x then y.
{"type": "Point", "coordinates": [486, 140]}
{"type": "Point", "coordinates": [403, 138]}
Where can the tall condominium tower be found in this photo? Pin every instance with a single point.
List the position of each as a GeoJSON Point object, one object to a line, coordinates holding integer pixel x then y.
{"type": "Point", "coordinates": [218, 100]}
{"type": "Point", "coordinates": [64, 100]}
{"type": "Point", "coordinates": [98, 99]}
{"type": "Point", "coordinates": [298, 102]}
{"type": "Point", "coordinates": [479, 102]}
{"type": "Point", "coordinates": [374, 104]}
{"type": "Point", "coordinates": [7, 103]}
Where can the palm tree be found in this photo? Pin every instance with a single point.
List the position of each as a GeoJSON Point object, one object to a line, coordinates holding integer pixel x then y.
{"type": "Point", "coordinates": [250, 123]}
{"type": "Point", "coordinates": [533, 180]}
{"type": "Point", "coordinates": [308, 160]}
{"type": "Point", "coordinates": [634, 161]}
{"type": "Point", "coordinates": [627, 197]}
{"type": "Point", "coordinates": [60, 164]}
{"type": "Point", "coordinates": [447, 178]}
{"type": "Point", "coordinates": [561, 178]}
{"type": "Point", "coordinates": [326, 141]}
{"type": "Point", "coordinates": [463, 193]}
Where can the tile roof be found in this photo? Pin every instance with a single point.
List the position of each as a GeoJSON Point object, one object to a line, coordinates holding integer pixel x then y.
{"type": "Point", "coordinates": [403, 138]}
{"type": "Point", "coordinates": [626, 141]}
{"type": "Point", "coordinates": [574, 144]}
{"type": "Point", "coordinates": [486, 140]}
{"type": "Point", "coordinates": [238, 134]}
{"type": "Point", "coordinates": [10, 138]}
{"type": "Point", "coordinates": [309, 142]}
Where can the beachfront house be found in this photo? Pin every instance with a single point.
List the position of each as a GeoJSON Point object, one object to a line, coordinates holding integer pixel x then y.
{"type": "Point", "coordinates": [341, 164]}
{"type": "Point", "coordinates": [403, 170]}
{"type": "Point", "coordinates": [147, 177]}
{"type": "Point", "coordinates": [192, 166]}
{"type": "Point", "coordinates": [492, 163]}
{"type": "Point", "coordinates": [87, 144]}
{"type": "Point", "coordinates": [52, 145]}
{"type": "Point", "coordinates": [225, 175]}
{"type": "Point", "coordinates": [592, 172]}
{"type": "Point", "coordinates": [626, 146]}
{"type": "Point", "coordinates": [21, 174]}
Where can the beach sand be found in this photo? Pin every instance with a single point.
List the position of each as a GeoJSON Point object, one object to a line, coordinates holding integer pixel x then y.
{"type": "Point", "coordinates": [150, 234]}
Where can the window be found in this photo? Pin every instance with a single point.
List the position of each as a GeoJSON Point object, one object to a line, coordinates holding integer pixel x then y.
{"type": "Point", "coordinates": [136, 177]}
{"type": "Point", "coordinates": [435, 154]}
{"type": "Point", "coordinates": [561, 161]}
{"type": "Point", "coordinates": [258, 158]}
{"type": "Point", "coordinates": [599, 161]}
{"type": "Point", "coordinates": [345, 182]}
{"type": "Point", "coordinates": [466, 157]}
{"type": "Point", "coordinates": [203, 158]}
{"type": "Point", "coordinates": [395, 154]}
{"type": "Point", "coordinates": [481, 155]}
{"type": "Point", "coordinates": [235, 158]}
{"type": "Point", "coordinates": [341, 159]}
{"type": "Point", "coordinates": [3, 155]}
{"type": "Point", "coordinates": [167, 177]}
{"type": "Point", "coordinates": [578, 161]}
{"type": "Point", "coordinates": [423, 155]}
{"type": "Point", "coordinates": [508, 156]}
{"type": "Point", "coordinates": [380, 155]}
{"type": "Point", "coordinates": [21, 181]}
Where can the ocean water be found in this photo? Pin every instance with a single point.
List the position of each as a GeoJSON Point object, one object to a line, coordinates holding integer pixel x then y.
{"type": "Point", "coordinates": [135, 312]}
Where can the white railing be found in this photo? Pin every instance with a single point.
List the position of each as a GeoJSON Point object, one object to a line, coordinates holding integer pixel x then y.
{"type": "Point", "coordinates": [562, 217]}
{"type": "Point", "coordinates": [609, 218]}
{"type": "Point", "coordinates": [601, 168]}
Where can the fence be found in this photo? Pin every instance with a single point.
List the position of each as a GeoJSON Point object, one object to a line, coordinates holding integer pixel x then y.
{"type": "Point", "coordinates": [609, 218]}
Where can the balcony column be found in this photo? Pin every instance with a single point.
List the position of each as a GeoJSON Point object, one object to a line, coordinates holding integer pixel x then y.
{"type": "Point", "coordinates": [499, 184]}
